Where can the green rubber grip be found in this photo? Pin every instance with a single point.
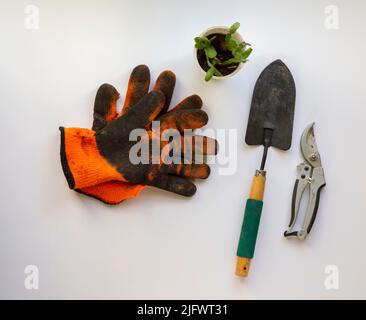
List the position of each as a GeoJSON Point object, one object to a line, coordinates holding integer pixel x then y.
{"type": "Point", "coordinates": [249, 229]}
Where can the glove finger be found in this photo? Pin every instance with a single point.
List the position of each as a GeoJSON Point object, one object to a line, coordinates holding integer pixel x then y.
{"type": "Point", "coordinates": [138, 86]}
{"type": "Point", "coordinates": [105, 106]}
{"type": "Point", "coordinates": [174, 184]}
{"type": "Point", "coordinates": [183, 119]}
{"type": "Point", "coordinates": [143, 112]}
{"type": "Point", "coordinates": [189, 149]}
{"type": "Point", "coordinates": [165, 83]}
{"type": "Point", "coordinates": [192, 102]}
{"type": "Point", "coordinates": [196, 145]}
{"type": "Point", "coordinates": [198, 171]}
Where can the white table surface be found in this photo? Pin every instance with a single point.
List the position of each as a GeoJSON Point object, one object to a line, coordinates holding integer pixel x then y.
{"type": "Point", "coordinates": [161, 245]}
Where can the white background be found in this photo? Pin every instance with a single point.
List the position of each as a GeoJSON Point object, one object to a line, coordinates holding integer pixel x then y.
{"type": "Point", "coordinates": [161, 245]}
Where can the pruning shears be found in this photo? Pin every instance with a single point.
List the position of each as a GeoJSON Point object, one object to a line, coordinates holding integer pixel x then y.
{"type": "Point", "coordinates": [309, 173]}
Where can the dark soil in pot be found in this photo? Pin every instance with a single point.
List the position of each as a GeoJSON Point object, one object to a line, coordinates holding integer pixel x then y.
{"type": "Point", "coordinates": [222, 55]}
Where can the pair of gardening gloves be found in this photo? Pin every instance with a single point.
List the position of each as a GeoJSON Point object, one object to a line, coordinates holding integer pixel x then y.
{"type": "Point", "coordinates": [97, 162]}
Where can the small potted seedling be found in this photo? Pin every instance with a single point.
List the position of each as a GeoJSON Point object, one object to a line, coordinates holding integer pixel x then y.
{"type": "Point", "coordinates": [221, 51]}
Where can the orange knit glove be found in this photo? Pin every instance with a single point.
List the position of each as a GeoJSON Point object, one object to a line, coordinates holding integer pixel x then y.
{"type": "Point", "coordinates": [92, 160]}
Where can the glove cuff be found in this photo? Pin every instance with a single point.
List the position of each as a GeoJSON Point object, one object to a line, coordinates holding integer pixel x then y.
{"type": "Point", "coordinates": [81, 161]}
{"type": "Point", "coordinates": [113, 192]}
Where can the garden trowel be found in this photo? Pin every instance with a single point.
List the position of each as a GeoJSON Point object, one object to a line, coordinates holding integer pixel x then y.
{"type": "Point", "coordinates": [270, 124]}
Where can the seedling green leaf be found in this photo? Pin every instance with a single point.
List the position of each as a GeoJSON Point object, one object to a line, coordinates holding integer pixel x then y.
{"type": "Point", "coordinates": [201, 42]}
{"type": "Point", "coordinates": [234, 27]}
{"type": "Point", "coordinates": [210, 73]}
{"type": "Point", "coordinates": [210, 52]}
{"type": "Point", "coordinates": [246, 53]}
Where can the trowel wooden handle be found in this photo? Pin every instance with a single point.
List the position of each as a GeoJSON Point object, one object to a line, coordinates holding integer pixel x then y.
{"type": "Point", "coordinates": [249, 229]}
